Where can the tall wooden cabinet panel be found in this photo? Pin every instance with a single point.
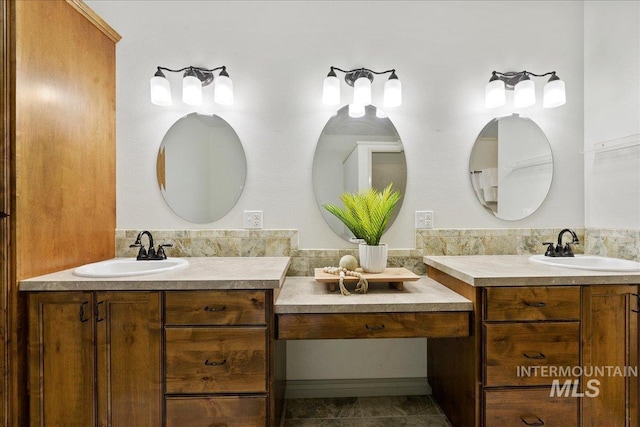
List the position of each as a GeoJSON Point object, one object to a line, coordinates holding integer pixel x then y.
{"type": "Point", "coordinates": [6, 291]}
{"type": "Point", "coordinates": [58, 154]}
{"type": "Point", "coordinates": [95, 359]}
{"type": "Point", "coordinates": [610, 339]}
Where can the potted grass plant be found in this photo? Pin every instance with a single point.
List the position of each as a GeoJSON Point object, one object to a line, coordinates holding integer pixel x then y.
{"type": "Point", "coordinates": [366, 214]}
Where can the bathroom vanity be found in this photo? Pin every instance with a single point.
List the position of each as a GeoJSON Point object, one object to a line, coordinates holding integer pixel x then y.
{"type": "Point", "coordinates": [528, 318]}
{"type": "Point", "coordinates": [201, 344]}
{"type": "Point", "coordinates": [185, 346]}
{"type": "Point", "coordinates": [206, 342]}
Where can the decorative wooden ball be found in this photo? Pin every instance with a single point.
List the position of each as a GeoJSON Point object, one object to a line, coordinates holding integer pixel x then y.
{"type": "Point", "coordinates": [349, 262]}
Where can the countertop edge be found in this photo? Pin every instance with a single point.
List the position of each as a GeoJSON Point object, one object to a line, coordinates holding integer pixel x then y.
{"type": "Point", "coordinates": [202, 277]}
{"type": "Point", "coordinates": [542, 276]}
{"type": "Point", "coordinates": [302, 295]}
{"type": "Point", "coordinates": [133, 286]}
{"type": "Point", "coordinates": [450, 271]}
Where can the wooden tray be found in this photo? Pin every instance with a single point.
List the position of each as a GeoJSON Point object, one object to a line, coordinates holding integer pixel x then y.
{"type": "Point", "coordinates": [394, 276]}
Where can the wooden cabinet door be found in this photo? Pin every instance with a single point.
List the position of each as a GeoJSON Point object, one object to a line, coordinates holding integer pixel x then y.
{"type": "Point", "coordinates": [129, 359]}
{"type": "Point", "coordinates": [61, 359]}
{"type": "Point", "coordinates": [610, 339]}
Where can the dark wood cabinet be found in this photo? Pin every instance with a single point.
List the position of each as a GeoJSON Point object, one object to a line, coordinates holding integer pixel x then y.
{"type": "Point", "coordinates": [500, 375]}
{"type": "Point", "coordinates": [225, 410]}
{"type": "Point", "coordinates": [148, 359]}
{"type": "Point", "coordinates": [610, 340]}
{"type": "Point", "coordinates": [372, 325]}
{"type": "Point", "coordinates": [61, 359]}
{"type": "Point", "coordinates": [528, 407]}
{"type": "Point", "coordinates": [219, 359]}
{"type": "Point", "coordinates": [95, 359]}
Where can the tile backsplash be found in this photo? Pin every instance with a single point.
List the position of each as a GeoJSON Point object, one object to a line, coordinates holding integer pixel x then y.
{"type": "Point", "coordinates": [614, 243]}
{"type": "Point", "coordinates": [500, 241]}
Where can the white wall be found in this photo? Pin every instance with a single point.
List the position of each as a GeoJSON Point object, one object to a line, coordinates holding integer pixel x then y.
{"type": "Point", "coordinates": [612, 112]}
{"type": "Point", "coordinates": [278, 54]}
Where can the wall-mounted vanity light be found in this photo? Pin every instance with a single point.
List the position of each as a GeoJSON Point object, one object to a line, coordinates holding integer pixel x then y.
{"type": "Point", "coordinates": [360, 79]}
{"type": "Point", "coordinates": [524, 93]}
{"type": "Point", "coordinates": [192, 82]}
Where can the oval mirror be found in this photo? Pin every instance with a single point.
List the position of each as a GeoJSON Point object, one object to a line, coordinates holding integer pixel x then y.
{"type": "Point", "coordinates": [201, 168]}
{"type": "Point", "coordinates": [511, 167]}
{"type": "Point", "coordinates": [354, 154]}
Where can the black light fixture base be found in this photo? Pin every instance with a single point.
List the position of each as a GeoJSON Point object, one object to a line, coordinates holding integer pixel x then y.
{"type": "Point", "coordinates": [206, 77]}
{"type": "Point", "coordinates": [354, 75]}
{"type": "Point", "coordinates": [512, 78]}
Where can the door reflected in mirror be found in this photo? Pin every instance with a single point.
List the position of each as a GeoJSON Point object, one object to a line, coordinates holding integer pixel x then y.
{"type": "Point", "coordinates": [511, 167]}
{"type": "Point", "coordinates": [354, 154]}
{"type": "Point", "coordinates": [201, 168]}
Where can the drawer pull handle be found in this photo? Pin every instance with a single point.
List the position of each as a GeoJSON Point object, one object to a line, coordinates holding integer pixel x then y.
{"type": "Point", "coordinates": [206, 362]}
{"type": "Point", "coordinates": [215, 309]}
{"type": "Point", "coordinates": [375, 327]}
{"type": "Point", "coordinates": [535, 304]}
{"type": "Point", "coordinates": [538, 422]}
{"type": "Point", "coordinates": [537, 355]}
{"type": "Point", "coordinates": [638, 297]}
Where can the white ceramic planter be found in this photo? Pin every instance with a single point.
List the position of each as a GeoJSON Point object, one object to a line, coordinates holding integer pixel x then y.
{"type": "Point", "coordinates": [373, 259]}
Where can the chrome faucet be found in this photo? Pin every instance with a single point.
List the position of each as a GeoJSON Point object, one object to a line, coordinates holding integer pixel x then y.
{"type": "Point", "coordinates": [559, 250]}
{"type": "Point", "coordinates": [151, 254]}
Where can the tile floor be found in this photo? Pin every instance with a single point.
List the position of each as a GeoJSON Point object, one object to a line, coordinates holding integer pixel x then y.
{"type": "Point", "coordinates": [392, 411]}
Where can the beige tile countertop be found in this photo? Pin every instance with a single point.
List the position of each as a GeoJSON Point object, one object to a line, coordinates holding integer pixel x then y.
{"type": "Point", "coordinates": [201, 274]}
{"type": "Point", "coordinates": [518, 270]}
{"type": "Point", "coordinates": [303, 295]}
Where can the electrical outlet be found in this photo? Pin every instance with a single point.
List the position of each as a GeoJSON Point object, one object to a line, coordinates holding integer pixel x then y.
{"type": "Point", "coordinates": [424, 219]}
{"type": "Point", "coordinates": [252, 219]}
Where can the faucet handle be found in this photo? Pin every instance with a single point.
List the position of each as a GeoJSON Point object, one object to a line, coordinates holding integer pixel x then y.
{"type": "Point", "coordinates": [142, 253]}
{"type": "Point", "coordinates": [161, 254]}
{"type": "Point", "coordinates": [550, 250]}
{"type": "Point", "coordinates": [567, 252]}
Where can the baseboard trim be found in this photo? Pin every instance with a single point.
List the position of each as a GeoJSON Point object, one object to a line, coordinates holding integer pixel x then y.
{"type": "Point", "coordinates": [297, 389]}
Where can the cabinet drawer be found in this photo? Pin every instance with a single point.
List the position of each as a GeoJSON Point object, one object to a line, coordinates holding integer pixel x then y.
{"type": "Point", "coordinates": [533, 303]}
{"type": "Point", "coordinates": [523, 408]}
{"type": "Point", "coordinates": [379, 325]}
{"type": "Point", "coordinates": [218, 411]}
{"type": "Point", "coordinates": [216, 360]}
{"type": "Point", "coordinates": [513, 350]}
{"type": "Point", "coordinates": [215, 308]}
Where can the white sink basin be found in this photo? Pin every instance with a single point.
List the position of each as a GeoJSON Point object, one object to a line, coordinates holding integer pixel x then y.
{"type": "Point", "coordinates": [123, 267]}
{"type": "Point", "coordinates": [589, 262]}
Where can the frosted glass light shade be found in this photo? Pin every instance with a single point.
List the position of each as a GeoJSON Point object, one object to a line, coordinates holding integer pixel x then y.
{"type": "Point", "coordinates": [524, 94]}
{"type": "Point", "coordinates": [392, 93]}
{"type": "Point", "coordinates": [331, 90]}
{"type": "Point", "coordinates": [494, 94]}
{"type": "Point", "coordinates": [362, 91]}
{"type": "Point", "coordinates": [356, 110]}
{"type": "Point", "coordinates": [160, 91]}
{"type": "Point", "coordinates": [223, 90]}
{"type": "Point", "coordinates": [381, 114]}
{"type": "Point", "coordinates": [191, 90]}
{"type": "Point", "coordinates": [554, 94]}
